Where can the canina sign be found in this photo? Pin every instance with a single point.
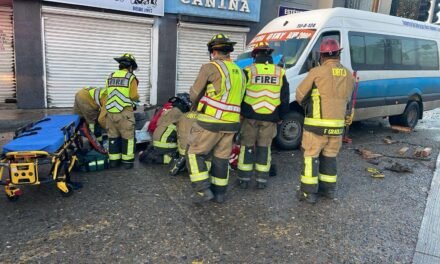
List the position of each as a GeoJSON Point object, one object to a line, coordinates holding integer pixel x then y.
{"type": "Point", "coordinates": [232, 5]}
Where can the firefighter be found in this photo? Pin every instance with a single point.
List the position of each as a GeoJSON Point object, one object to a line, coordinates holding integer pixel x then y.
{"type": "Point", "coordinates": [324, 94]}
{"type": "Point", "coordinates": [217, 93]}
{"type": "Point", "coordinates": [265, 102]}
{"type": "Point", "coordinates": [164, 147]}
{"type": "Point", "coordinates": [183, 126]}
{"type": "Point", "coordinates": [89, 105]}
{"type": "Point", "coordinates": [122, 89]}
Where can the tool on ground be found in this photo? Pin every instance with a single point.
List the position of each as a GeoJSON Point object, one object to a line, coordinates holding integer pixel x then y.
{"type": "Point", "coordinates": [346, 138]}
{"type": "Point", "coordinates": [375, 173]}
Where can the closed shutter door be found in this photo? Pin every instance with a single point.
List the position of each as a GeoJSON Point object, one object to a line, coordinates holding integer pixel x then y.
{"type": "Point", "coordinates": [192, 51]}
{"type": "Point", "coordinates": [7, 62]}
{"type": "Point", "coordinates": [80, 47]}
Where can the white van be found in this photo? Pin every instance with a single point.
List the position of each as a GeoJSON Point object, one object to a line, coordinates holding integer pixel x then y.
{"type": "Point", "coordinates": [396, 59]}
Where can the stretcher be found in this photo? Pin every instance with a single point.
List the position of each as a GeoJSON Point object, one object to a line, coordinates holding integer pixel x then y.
{"type": "Point", "coordinates": [49, 144]}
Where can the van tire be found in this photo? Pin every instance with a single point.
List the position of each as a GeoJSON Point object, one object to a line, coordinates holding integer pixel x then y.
{"type": "Point", "coordinates": [289, 132]}
{"type": "Point", "coordinates": [409, 118]}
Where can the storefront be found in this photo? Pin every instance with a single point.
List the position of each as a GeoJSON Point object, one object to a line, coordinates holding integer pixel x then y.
{"type": "Point", "coordinates": [196, 27]}
{"type": "Point", "coordinates": [7, 53]}
{"type": "Point", "coordinates": [79, 46]}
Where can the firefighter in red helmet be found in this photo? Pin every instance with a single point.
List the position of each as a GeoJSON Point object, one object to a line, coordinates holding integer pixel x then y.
{"type": "Point", "coordinates": [324, 94]}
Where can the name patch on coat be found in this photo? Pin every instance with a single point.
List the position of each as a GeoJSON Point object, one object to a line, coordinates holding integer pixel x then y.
{"type": "Point", "coordinates": [264, 79]}
{"type": "Point", "coordinates": [339, 72]}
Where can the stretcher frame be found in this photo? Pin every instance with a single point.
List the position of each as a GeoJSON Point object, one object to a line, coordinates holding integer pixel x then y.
{"type": "Point", "coordinates": [23, 166]}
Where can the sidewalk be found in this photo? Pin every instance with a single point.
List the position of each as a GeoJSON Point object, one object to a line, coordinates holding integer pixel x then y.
{"type": "Point", "coordinates": [428, 244]}
{"type": "Point", "coordinates": [12, 118]}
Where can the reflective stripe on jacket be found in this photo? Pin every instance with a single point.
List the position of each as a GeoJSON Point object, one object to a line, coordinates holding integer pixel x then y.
{"type": "Point", "coordinates": [263, 87]}
{"type": "Point", "coordinates": [96, 94]}
{"type": "Point", "coordinates": [223, 107]}
{"type": "Point", "coordinates": [118, 90]}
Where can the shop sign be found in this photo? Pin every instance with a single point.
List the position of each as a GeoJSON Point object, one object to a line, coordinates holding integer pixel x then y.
{"type": "Point", "coordinates": [285, 10]}
{"type": "Point", "coordinates": [149, 7]}
{"type": "Point", "coordinates": [247, 10]}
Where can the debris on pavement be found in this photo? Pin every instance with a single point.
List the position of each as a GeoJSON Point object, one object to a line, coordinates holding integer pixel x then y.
{"type": "Point", "coordinates": [375, 173]}
{"type": "Point", "coordinates": [397, 167]}
{"type": "Point", "coordinates": [388, 140]}
{"type": "Point", "coordinates": [403, 150]}
{"type": "Point", "coordinates": [401, 129]}
{"type": "Point", "coordinates": [368, 154]}
{"type": "Point", "coordinates": [423, 152]}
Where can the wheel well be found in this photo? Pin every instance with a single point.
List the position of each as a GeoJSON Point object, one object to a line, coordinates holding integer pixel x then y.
{"type": "Point", "coordinates": [417, 98]}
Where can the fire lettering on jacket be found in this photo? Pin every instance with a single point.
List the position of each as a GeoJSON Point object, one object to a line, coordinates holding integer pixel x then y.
{"type": "Point", "coordinates": [261, 79]}
{"type": "Point", "coordinates": [339, 72]}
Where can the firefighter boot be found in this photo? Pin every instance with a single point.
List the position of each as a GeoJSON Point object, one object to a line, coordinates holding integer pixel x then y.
{"type": "Point", "coordinates": [261, 185]}
{"type": "Point", "coordinates": [243, 184]}
{"type": "Point", "coordinates": [328, 190]}
{"type": "Point", "coordinates": [114, 163]}
{"type": "Point", "coordinates": [310, 198]}
{"type": "Point", "coordinates": [202, 196]}
{"type": "Point", "coordinates": [177, 165]}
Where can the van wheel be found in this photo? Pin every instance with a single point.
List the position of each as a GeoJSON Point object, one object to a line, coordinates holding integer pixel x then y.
{"type": "Point", "coordinates": [290, 131]}
{"type": "Point", "coordinates": [409, 118]}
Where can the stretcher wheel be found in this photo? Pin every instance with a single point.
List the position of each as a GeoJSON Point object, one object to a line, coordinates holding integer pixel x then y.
{"type": "Point", "coordinates": [13, 198]}
{"type": "Point", "coordinates": [69, 193]}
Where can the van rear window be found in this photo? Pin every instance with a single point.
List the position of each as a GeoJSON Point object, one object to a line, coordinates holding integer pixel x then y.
{"type": "Point", "coordinates": [387, 52]}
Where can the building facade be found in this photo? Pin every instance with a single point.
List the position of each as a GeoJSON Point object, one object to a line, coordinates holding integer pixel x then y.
{"type": "Point", "coordinates": [51, 48]}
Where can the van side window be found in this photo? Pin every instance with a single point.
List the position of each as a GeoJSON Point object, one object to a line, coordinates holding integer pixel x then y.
{"type": "Point", "coordinates": [313, 57]}
{"type": "Point", "coordinates": [385, 52]}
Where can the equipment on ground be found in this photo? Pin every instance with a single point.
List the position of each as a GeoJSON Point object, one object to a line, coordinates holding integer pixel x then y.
{"type": "Point", "coordinates": [46, 146]}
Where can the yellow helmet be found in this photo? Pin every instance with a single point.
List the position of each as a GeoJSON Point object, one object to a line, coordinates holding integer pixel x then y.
{"type": "Point", "coordinates": [221, 42]}
{"type": "Point", "coordinates": [127, 60]}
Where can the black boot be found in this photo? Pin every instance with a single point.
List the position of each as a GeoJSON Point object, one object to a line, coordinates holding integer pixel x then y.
{"type": "Point", "coordinates": [177, 165]}
{"type": "Point", "coordinates": [202, 196]}
{"type": "Point", "coordinates": [114, 163]}
{"type": "Point", "coordinates": [243, 184]}
{"type": "Point", "coordinates": [128, 165]}
{"type": "Point", "coordinates": [310, 198]}
{"type": "Point", "coordinates": [328, 191]}
{"type": "Point", "coordinates": [219, 198]}
{"type": "Point", "coordinates": [261, 185]}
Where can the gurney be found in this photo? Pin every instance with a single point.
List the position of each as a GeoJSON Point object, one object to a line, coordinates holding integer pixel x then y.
{"type": "Point", "coordinates": [48, 143]}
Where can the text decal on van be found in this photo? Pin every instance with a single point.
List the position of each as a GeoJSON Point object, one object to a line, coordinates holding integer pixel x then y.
{"type": "Point", "coordinates": [284, 35]}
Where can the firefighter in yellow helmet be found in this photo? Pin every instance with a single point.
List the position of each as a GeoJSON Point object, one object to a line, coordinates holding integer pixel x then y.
{"type": "Point", "coordinates": [122, 90]}
{"type": "Point", "coordinates": [217, 93]}
{"type": "Point", "coordinates": [90, 105]}
{"type": "Point", "coordinates": [265, 103]}
{"type": "Point", "coordinates": [324, 94]}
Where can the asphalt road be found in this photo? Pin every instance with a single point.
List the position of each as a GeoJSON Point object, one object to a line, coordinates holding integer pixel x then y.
{"type": "Point", "coordinates": [145, 216]}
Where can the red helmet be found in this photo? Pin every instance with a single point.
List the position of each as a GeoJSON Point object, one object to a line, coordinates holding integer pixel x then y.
{"type": "Point", "coordinates": [261, 46]}
{"type": "Point", "coordinates": [329, 46]}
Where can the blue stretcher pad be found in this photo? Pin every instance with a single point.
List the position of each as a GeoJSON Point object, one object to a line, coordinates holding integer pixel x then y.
{"type": "Point", "coordinates": [48, 134]}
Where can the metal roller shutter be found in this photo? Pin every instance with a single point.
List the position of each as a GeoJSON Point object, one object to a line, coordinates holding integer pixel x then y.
{"type": "Point", "coordinates": [80, 47]}
{"type": "Point", "coordinates": [192, 51]}
{"type": "Point", "coordinates": [7, 60]}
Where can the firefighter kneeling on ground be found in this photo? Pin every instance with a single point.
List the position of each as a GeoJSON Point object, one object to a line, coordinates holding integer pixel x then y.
{"type": "Point", "coordinates": [164, 146]}
{"type": "Point", "coordinates": [183, 125]}
{"type": "Point", "coordinates": [90, 105]}
{"type": "Point", "coordinates": [324, 94]}
{"type": "Point", "coordinates": [265, 103]}
{"type": "Point", "coordinates": [122, 94]}
{"type": "Point", "coordinates": [217, 93]}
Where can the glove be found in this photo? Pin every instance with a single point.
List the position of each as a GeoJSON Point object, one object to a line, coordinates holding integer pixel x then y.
{"type": "Point", "coordinates": [349, 119]}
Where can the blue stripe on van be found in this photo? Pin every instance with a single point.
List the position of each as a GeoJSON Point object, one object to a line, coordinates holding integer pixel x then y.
{"type": "Point", "coordinates": [398, 87]}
